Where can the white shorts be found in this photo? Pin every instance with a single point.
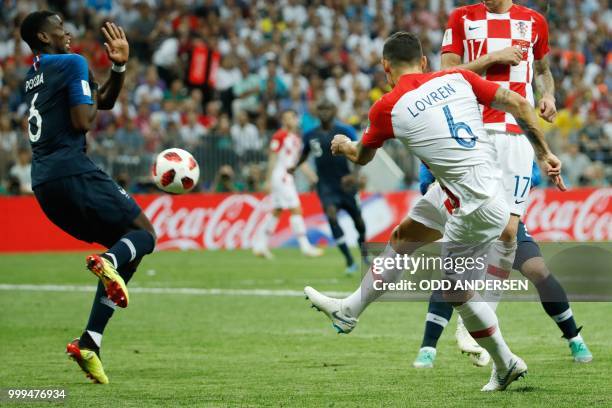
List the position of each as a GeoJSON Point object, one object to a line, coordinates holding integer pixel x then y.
{"type": "Point", "coordinates": [485, 225]}
{"type": "Point", "coordinates": [515, 157]}
{"type": "Point", "coordinates": [481, 226]}
{"type": "Point", "coordinates": [283, 193]}
{"type": "Point", "coordinates": [429, 210]}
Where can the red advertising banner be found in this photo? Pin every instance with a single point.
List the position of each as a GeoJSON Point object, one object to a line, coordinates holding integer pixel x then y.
{"type": "Point", "coordinates": [228, 221]}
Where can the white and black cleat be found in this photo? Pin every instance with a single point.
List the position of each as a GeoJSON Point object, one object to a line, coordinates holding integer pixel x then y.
{"type": "Point", "coordinates": [501, 381]}
{"type": "Point", "coordinates": [332, 307]}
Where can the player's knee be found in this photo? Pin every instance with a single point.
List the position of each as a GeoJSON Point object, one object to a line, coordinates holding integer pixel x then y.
{"type": "Point", "coordinates": [535, 270]}
{"type": "Point", "coordinates": [402, 235]}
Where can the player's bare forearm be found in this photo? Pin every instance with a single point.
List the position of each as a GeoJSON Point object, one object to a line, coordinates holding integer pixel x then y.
{"type": "Point", "coordinates": [479, 65]}
{"type": "Point", "coordinates": [521, 109]}
{"type": "Point", "coordinates": [507, 56]}
{"type": "Point", "coordinates": [118, 51]}
{"type": "Point", "coordinates": [341, 145]}
{"type": "Point", "coordinates": [109, 91]}
{"type": "Point", "coordinates": [545, 83]}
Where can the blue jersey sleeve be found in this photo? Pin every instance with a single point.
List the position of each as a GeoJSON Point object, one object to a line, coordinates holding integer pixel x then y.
{"type": "Point", "coordinates": [425, 178]}
{"type": "Point", "coordinates": [536, 176]}
{"type": "Point", "coordinates": [76, 76]}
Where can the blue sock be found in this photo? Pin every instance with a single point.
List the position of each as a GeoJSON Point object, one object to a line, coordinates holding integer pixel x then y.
{"type": "Point", "coordinates": [439, 313]}
{"type": "Point", "coordinates": [133, 245]}
{"type": "Point", "coordinates": [555, 303]}
{"type": "Point", "coordinates": [339, 238]}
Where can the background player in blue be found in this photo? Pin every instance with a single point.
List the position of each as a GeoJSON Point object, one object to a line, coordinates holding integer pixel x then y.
{"type": "Point", "coordinates": [63, 99]}
{"type": "Point", "coordinates": [337, 187]}
{"type": "Point", "coordinates": [530, 263]}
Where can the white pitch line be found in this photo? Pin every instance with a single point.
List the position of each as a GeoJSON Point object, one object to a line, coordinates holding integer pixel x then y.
{"type": "Point", "coordinates": [168, 291]}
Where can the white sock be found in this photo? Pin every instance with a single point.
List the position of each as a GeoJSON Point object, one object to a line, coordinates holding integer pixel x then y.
{"type": "Point", "coordinates": [96, 337]}
{"type": "Point", "coordinates": [356, 303]}
{"type": "Point", "coordinates": [481, 322]}
{"type": "Point", "coordinates": [299, 229]}
{"type": "Point", "coordinates": [501, 257]}
{"type": "Point", "coordinates": [265, 231]}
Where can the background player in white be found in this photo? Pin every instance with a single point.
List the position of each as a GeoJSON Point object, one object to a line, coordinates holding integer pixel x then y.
{"type": "Point", "coordinates": [437, 117]}
{"type": "Point", "coordinates": [285, 150]}
{"type": "Point", "coordinates": [507, 44]}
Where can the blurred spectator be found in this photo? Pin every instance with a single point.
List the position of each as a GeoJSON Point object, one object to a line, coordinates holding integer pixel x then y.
{"type": "Point", "coordinates": [129, 138]}
{"type": "Point", "coordinates": [245, 135]}
{"type": "Point", "coordinates": [225, 181]}
{"type": "Point", "coordinates": [150, 92]}
{"type": "Point", "coordinates": [192, 131]}
{"type": "Point", "coordinates": [8, 146]}
{"type": "Point", "coordinates": [20, 172]}
{"type": "Point", "coordinates": [574, 165]}
{"type": "Point", "coordinates": [246, 91]}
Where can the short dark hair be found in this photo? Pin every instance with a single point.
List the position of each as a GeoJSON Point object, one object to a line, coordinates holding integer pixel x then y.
{"type": "Point", "coordinates": [32, 25]}
{"type": "Point", "coordinates": [402, 48]}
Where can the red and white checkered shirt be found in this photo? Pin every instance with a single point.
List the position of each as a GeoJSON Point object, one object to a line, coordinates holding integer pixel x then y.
{"type": "Point", "coordinates": [473, 32]}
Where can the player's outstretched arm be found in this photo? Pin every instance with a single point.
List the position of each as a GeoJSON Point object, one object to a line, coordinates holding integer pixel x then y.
{"type": "Point", "coordinates": [118, 50]}
{"type": "Point", "coordinates": [507, 56]}
{"type": "Point", "coordinates": [522, 111]}
{"type": "Point", "coordinates": [342, 145]}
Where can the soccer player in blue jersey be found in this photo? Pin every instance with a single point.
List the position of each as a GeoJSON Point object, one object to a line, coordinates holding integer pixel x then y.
{"type": "Point", "coordinates": [78, 197]}
{"type": "Point", "coordinates": [337, 187]}
{"type": "Point", "coordinates": [530, 263]}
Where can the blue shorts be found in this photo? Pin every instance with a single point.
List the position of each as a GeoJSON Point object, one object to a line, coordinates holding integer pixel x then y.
{"type": "Point", "coordinates": [526, 249]}
{"type": "Point", "coordinates": [340, 199]}
{"type": "Point", "coordinates": [89, 206]}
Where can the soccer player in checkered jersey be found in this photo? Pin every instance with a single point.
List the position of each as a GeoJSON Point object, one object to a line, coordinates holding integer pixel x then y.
{"type": "Point", "coordinates": [285, 150]}
{"type": "Point", "coordinates": [508, 44]}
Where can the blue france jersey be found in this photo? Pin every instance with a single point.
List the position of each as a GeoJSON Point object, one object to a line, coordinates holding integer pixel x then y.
{"type": "Point", "coordinates": [330, 168]}
{"type": "Point", "coordinates": [54, 84]}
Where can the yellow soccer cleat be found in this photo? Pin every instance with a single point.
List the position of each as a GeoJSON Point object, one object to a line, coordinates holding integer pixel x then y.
{"type": "Point", "coordinates": [89, 362]}
{"type": "Point", "coordinates": [116, 290]}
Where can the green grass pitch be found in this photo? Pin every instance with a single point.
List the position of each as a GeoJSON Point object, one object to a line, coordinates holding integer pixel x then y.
{"type": "Point", "coordinates": [222, 350]}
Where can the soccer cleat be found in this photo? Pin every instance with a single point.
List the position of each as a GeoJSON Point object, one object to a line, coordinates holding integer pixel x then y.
{"type": "Point", "coordinates": [465, 342]}
{"type": "Point", "coordinates": [263, 253]}
{"type": "Point", "coordinates": [580, 351]}
{"type": "Point", "coordinates": [312, 252]}
{"type": "Point", "coordinates": [425, 358]}
{"type": "Point", "coordinates": [116, 290]}
{"type": "Point", "coordinates": [342, 322]}
{"type": "Point", "coordinates": [89, 362]}
{"type": "Point", "coordinates": [501, 381]}
{"type": "Point", "coordinates": [351, 269]}
{"type": "Point", "coordinates": [481, 359]}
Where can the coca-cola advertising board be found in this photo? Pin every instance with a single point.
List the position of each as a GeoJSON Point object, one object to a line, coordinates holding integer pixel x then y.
{"type": "Point", "coordinates": [229, 221]}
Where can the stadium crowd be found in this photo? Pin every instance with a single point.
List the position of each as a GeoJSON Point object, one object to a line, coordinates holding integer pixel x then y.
{"type": "Point", "coordinates": [212, 76]}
